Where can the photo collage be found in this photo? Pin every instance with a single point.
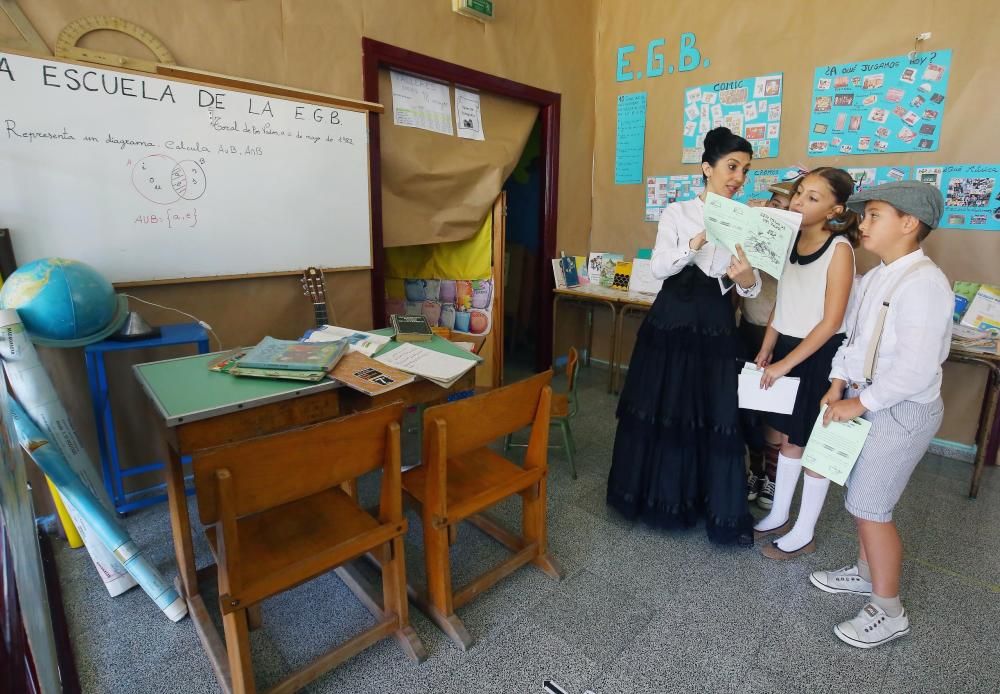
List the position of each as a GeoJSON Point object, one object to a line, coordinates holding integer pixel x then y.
{"type": "Point", "coordinates": [749, 107]}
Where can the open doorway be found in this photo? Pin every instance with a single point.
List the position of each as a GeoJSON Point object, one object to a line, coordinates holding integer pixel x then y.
{"type": "Point", "coordinates": [379, 56]}
{"type": "Point", "coordinates": [523, 255]}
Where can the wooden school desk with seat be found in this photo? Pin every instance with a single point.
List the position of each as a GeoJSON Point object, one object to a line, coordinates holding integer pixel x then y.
{"type": "Point", "coordinates": [199, 409]}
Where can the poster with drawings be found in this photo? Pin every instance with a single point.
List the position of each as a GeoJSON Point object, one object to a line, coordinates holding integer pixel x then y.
{"type": "Point", "coordinates": [971, 194]}
{"type": "Point", "coordinates": [885, 105]}
{"type": "Point", "coordinates": [749, 107]}
{"type": "Point", "coordinates": [759, 180]}
{"type": "Point", "coordinates": [871, 176]}
{"type": "Point", "coordinates": [663, 190]}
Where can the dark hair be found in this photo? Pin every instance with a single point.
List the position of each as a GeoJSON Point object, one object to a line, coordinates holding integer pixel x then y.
{"type": "Point", "coordinates": [842, 185]}
{"type": "Point", "coordinates": [722, 141]}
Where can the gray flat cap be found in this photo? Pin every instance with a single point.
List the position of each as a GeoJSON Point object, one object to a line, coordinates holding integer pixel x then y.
{"type": "Point", "coordinates": [922, 200]}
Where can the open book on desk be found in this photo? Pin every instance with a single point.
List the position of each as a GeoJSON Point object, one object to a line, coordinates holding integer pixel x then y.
{"type": "Point", "coordinates": [438, 367]}
{"type": "Point", "coordinates": [357, 340]}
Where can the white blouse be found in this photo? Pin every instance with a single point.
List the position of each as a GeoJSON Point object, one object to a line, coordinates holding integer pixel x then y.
{"type": "Point", "coordinates": [802, 292]}
{"type": "Point", "coordinates": [679, 223]}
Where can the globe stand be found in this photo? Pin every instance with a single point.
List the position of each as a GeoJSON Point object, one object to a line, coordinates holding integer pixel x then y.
{"type": "Point", "coordinates": [135, 327]}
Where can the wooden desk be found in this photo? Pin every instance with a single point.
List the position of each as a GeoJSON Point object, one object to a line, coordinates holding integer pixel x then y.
{"type": "Point", "coordinates": [198, 408]}
{"type": "Point", "coordinates": [590, 296]}
{"type": "Point", "coordinates": [633, 302]}
{"type": "Point", "coordinates": [988, 431]}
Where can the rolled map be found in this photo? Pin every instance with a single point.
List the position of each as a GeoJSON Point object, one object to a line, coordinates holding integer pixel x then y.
{"type": "Point", "coordinates": [101, 521]}
{"type": "Point", "coordinates": [33, 389]}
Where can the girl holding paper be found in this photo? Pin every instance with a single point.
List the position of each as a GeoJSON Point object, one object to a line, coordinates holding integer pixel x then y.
{"type": "Point", "coordinates": [678, 452]}
{"type": "Point", "coordinates": [805, 331]}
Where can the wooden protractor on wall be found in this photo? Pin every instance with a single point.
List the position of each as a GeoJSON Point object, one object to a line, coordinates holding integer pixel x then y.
{"type": "Point", "coordinates": [66, 43]}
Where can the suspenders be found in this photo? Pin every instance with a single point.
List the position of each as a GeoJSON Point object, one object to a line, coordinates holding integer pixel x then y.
{"type": "Point", "coordinates": [872, 355]}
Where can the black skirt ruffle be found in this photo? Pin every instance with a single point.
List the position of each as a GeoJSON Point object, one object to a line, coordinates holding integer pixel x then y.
{"type": "Point", "coordinates": [679, 450]}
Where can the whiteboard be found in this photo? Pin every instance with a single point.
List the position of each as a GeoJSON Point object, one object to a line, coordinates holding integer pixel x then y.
{"type": "Point", "coordinates": [148, 178]}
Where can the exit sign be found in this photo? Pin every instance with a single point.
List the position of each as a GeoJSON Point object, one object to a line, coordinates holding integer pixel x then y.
{"type": "Point", "coordinates": [477, 9]}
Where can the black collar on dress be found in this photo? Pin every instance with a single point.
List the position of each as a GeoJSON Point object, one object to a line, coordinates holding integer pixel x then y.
{"type": "Point", "coordinates": [795, 257]}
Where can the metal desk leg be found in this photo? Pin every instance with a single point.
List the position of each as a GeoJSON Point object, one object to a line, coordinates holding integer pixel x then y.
{"type": "Point", "coordinates": [986, 436]}
{"type": "Point", "coordinates": [590, 334]}
{"type": "Point", "coordinates": [616, 353]}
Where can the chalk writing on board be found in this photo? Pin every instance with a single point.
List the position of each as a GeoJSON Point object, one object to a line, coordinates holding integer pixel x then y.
{"type": "Point", "coordinates": [173, 219]}
{"type": "Point", "coordinates": [162, 179]}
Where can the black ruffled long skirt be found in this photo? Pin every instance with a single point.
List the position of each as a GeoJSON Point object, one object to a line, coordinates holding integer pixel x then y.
{"type": "Point", "coordinates": [679, 450]}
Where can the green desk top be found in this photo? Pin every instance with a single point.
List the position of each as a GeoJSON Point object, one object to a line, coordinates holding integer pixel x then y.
{"type": "Point", "coordinates": [185, 390]}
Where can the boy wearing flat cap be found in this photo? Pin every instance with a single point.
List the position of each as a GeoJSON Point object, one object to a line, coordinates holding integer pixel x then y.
{"type": "Point", "coordinates": [888, 371]}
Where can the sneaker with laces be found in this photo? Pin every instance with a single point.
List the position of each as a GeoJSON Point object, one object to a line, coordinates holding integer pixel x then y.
{"type": "Point", "coordinates": [872, 627]}
{"type": "Point", "coordinates": [765, 499]}
{"type": "Point", "coordinates": [754, 484]}
{"type": "Point", "coordinates": [845, 580]}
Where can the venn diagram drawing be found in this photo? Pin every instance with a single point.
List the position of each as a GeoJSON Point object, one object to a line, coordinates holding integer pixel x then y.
{"type": "Point", "coordinates": [164, 180]}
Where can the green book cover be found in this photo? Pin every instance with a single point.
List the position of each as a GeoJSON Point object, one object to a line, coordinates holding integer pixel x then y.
{"type": "Point", "coordinates": [292, 355]}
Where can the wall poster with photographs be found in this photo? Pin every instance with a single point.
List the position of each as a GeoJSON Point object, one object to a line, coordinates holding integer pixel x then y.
{"type": "Point", "coordinates": [759, 180]}
{"type": "Point", "coordinates": [871, 176]}
{"type": "Point", "coordinates": [887, 105]}
{"type": "Point", "coordinates": [663, 190]}
{"type": "Point", "coordinates": [749, 107]}
{"type": "Point", "coordinates": [971, 194]}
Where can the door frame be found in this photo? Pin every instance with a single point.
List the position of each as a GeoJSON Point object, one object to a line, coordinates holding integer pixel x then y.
{"type": "Point", "coordinates": [376, 55]}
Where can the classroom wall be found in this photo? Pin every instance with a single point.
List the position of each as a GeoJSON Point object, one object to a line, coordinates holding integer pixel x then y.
{"type": "Point", "coordinates": [749, 39]}
{"type": "Point", "coordinates": [316, 45]}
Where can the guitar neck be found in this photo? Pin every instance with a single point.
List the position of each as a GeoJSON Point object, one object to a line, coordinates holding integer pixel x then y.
{"type": "Point", "coordinates": [319, 314]}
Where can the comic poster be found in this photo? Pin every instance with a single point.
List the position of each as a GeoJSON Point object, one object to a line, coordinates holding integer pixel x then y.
{"type": "Point", "coordinates": [887, 105]}
{"type": "Point", "coordinates": [663, 190]}
{"type": "Point", "coordinates": [749, 107]}
{"type": "Point", "coordinates": [971, 194]}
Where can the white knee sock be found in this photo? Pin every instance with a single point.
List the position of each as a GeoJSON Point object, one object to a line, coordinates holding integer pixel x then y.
{"type": "Point", "coordinates": [813, 495]}
{"type": "Point", "coordinates": [784, 490]}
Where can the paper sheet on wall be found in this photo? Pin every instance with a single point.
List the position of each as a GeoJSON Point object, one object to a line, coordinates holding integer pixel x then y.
{"type": "Point", "coordinates": [420, 103]}
{"type": "Point", "coordinates": [630, 138]}
{"type": "Point", "coordinates": [971, 194]}
{"type": "Point", "coordinates": [833, 449]}
{"type": "Point", "coordinates": [468, 115]}
{"type": "Point", "coordinates": [764, 233]}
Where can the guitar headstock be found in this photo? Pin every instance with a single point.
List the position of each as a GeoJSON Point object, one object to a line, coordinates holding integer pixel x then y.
{"type": "Point", "coordinates": [313, 285]}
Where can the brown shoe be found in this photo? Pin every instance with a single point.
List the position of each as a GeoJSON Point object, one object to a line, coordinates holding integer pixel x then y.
{"type": "Point", "coordinates": [772, 551]}
{"type": "Point", "coordinates": [780, 530]}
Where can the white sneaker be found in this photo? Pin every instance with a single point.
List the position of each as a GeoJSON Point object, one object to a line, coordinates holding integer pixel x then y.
{"type": "Point", "coordinates": [845, 580]}
{"type": "Point", "coordinates": [872, 627]}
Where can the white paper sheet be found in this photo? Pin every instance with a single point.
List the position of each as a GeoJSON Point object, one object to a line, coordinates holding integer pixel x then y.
{"type": "Point", "coordinates": [779, 398]}
{"type": "Point", "coordinates": [642, 278]}
{"type": "Point", "coordinates": [442, 369]}
{"type": "Point", "coordinates": [420, 103]}
{"type": "Point", "coordinates": [468, 115]}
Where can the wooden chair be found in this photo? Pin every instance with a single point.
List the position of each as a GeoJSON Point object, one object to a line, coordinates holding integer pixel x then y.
{"type": "Point", "coordinates": [564, 408]}
{"type": "Point", "coordinates": [460, 478]}
{"type": "Point", "coordinates": [276, 515]}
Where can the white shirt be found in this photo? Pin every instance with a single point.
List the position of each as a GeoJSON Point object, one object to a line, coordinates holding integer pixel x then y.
{"type": "Point", "coordinates": [802, 292]}
{"type": "Point", "coordinates": [679, 223]}
{"type": "Point", "coordinates": [915, 340]}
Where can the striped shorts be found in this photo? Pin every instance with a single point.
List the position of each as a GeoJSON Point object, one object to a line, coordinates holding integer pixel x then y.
{"type": "Point", "coordinates": [898, 440]}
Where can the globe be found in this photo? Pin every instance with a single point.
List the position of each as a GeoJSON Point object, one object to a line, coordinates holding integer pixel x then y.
{"type": "Point", "coordinates": [63, 303]}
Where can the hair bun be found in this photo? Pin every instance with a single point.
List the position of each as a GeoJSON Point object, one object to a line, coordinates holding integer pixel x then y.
{"type": "Point", "coordinates": [717, 135]}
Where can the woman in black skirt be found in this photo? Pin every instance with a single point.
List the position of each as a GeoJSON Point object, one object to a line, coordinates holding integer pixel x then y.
{"type": "Point", "coordinates": [678, 453]}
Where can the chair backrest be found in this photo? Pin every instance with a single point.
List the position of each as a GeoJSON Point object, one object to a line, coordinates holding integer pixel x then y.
{"type": "Point", "coordinates": [268, 471]}
{"type": "Point", "coordinates": [572, 369]}
{"type": "Point", "coordinates": [477, 421]}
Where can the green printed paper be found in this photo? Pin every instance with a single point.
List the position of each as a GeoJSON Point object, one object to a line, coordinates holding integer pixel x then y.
{"type": "Point", "coordinates": [764, 233]}
{"type": "Point", "coordinates": [833, 449]}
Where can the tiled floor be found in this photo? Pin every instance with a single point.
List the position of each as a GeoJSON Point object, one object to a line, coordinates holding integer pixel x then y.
{"type": "Point", "coordinates": [638, 611]}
